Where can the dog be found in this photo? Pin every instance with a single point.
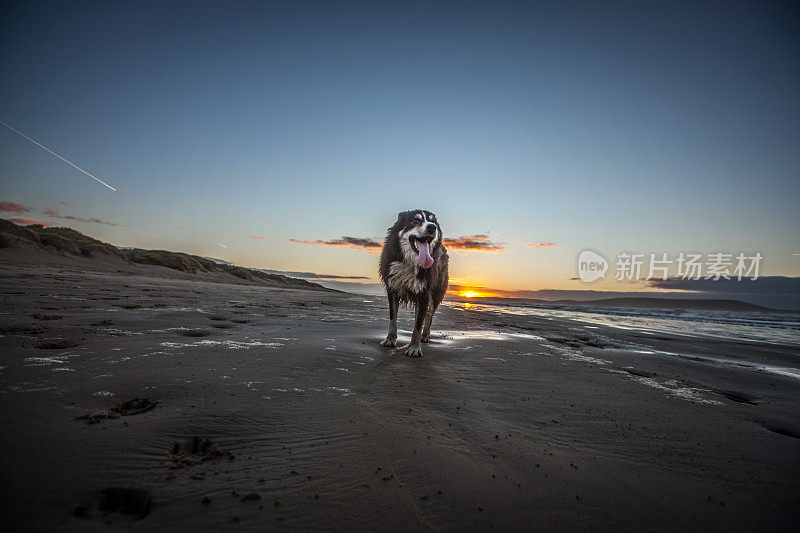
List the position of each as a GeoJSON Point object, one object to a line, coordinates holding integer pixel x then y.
{"type": "Point", "coordinates": [413, 268]}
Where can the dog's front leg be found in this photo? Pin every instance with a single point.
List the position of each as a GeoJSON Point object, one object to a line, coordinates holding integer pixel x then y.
{"type": "Point", "coordinates": [391, 336]}
{"type": "Point", "coordinates": [414, 349]}
{"type": "Point", "coordinates": [426, 328]}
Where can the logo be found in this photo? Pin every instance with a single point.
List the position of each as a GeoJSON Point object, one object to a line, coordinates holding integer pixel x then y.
{"type": "Point", "coordinates": [591, 266]}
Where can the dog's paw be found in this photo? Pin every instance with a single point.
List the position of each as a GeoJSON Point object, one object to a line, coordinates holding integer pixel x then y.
{"type": "Point", "coordinates": [414, 351]}
{"type": "Point", "coordinates": [426, 339]}
{"type": "Point", "coordinates": [389, 343]}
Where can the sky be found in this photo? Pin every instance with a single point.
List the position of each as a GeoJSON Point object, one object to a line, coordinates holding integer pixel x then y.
{"type": "Point", "coordinates": [287, 135]}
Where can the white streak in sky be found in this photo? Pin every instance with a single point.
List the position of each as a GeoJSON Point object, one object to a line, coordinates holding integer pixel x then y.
{"type": "Point", "coordinates": [222, 245]}
{"type": "Point", "coordinates": [58, 156]}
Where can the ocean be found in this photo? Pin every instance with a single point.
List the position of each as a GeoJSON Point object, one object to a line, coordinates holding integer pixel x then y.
{"type": "Point", "coordinates": [776, 328]}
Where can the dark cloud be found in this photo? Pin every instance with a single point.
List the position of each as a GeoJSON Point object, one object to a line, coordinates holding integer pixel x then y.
{"type": "Point", "coordinates": [53, 212]}
{"type": "Point", "coordinates": [546, 244]}
{"type": "Point", "coordinates": [474, 243]}
{"type": "Point", "coordinates": [13, 207]}
{"type": "Point", "coordinates": [763, 285]}
{"type": "Point", "coordinates": [370, 245]}
{"type": "Point", "coordinates": [28, 222]}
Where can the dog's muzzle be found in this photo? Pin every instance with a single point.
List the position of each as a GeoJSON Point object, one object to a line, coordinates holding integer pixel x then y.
{"type": "Point", "coordinates": [421, 246]}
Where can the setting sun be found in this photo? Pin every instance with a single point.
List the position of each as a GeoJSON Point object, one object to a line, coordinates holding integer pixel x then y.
{"type": "Point", "coordinates": [472, 293]}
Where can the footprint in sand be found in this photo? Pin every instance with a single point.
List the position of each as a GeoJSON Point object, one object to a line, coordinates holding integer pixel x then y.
{"type": "Point", "coordinates": [39, 316]}
{"type": "Point", "coordinates": [132, 407]}
{"type": "Point", "coordinates": [196, 450]}
{"type": "Point", "coordinates": [195, 333]}
{"type": "Point", "coordinates": [56, 344]}
{"type": "Point", "coordinates": [130, 502]}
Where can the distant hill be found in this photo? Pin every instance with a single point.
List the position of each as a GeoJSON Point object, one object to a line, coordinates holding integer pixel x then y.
{"type": "Point", "coordinates": [670, 303]}
{"type": "Point", "coordinates": [67, 242]}
{"type": "Point", "coordinates": [637, 302]}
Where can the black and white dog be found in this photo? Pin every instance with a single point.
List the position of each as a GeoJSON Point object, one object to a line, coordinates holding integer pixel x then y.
{"type": "Point", "coordinates": [413, 268]}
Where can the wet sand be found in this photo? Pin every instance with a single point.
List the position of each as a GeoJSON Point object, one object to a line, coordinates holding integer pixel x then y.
{"type": "Point", "coordinates": [276, 408]}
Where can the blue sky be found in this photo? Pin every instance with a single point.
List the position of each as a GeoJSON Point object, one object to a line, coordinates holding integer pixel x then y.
{"type": "Point", "coordinates": [667, 126]}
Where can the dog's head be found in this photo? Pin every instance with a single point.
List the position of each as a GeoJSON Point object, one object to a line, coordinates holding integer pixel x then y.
{"type": "Point", "coordinates": [419, 233]}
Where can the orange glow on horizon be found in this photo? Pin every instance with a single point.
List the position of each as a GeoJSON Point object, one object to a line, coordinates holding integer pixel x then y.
{"type": "Point", "coordinates": [473, 292]}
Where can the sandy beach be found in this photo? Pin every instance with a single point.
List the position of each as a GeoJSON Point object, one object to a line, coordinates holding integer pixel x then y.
{"type": "Point", "coordinates": [209, 211]}
{"type": "Point", "coordinates": [150, 399]}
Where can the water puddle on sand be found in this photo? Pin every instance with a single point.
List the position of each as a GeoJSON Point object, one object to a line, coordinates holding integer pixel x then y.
{"type": "Point", "coordinates": [781, 371]}
{"type": "Point", "coordinates": [154, 353]}
{"type": "Point", "coordinates": [671, 387]}
{"type": "Point", "coordinates": [27, 386]}
{"type": "Point", "coordinates": [450, 336]}
{"type": "Point", "coordinates": [114, 332]}
{"type": "Point", "coordinates": [49, 360]}
{"type": "Point", "coordinates": [231, 345]}
{"type": "Point", "coordinates": [784, 371]}
{"type": "Point", "coordinates": [297, 390]}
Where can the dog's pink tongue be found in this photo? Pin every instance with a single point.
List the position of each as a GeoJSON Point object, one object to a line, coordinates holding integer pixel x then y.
{"type": "Point", "coordinates": [425, 258]}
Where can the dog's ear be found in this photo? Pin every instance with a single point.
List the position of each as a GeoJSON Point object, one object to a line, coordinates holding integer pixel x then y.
{"type": "Point", "coordinates": [401, 216]}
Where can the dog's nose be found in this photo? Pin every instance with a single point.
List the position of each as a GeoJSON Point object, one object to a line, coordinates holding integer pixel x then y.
{"type": "Point", "coordinates": [431, 228]}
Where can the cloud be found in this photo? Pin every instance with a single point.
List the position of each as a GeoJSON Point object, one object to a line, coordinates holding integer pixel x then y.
{"type": "Point", "coordinates": [28, 222]}
{"type": "Point", "coordinates": [53, 212]}
{"type": "Point", "coordinates": [474, 243]}
{"type": "Point", "coordinates": [763, 285]}
{"type": "Point", "coordinates": [546, 244]}
{"type": "Point", "coordinates": [63, 203]}
{"type": "Point", "coordinates": [368, 244]}
{"type": "Point", "coordinates": [258, 238]}
{"type": "Point", "coordinates": [13, 207]}
{"type": "Point", "coordinates": [373, 245]}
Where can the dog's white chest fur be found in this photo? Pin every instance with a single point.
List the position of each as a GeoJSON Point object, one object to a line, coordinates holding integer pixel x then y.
{"type": "Point", "coordinates": [403, 277]}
